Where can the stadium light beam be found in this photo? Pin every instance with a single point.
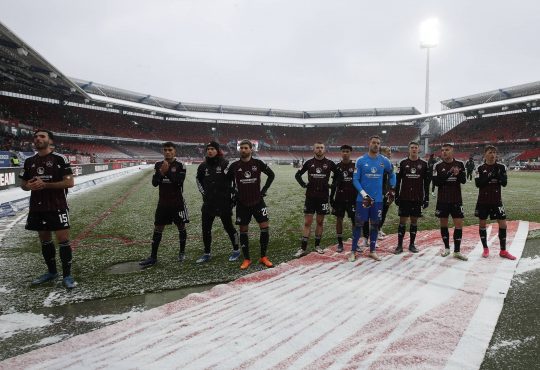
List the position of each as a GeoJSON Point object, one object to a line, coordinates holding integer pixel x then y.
{"type": "Point", "coordinates": [429, 38]}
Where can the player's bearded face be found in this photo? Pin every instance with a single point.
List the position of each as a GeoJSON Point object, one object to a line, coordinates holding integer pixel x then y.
{"type": "Point", "coordinates": [41, 141]}
{"type": "Point", "coordinates": [318, 150]}
{"type": "Point", "coordinates": [374, 146]}
{"type": "Point", "coordinates": [169, 153]}
{"type": "Point", "coordinates": [245, 151]}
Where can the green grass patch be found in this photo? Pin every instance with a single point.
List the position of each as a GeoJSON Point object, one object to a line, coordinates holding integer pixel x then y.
{"type": "Point", "coordinates": [124, 234]}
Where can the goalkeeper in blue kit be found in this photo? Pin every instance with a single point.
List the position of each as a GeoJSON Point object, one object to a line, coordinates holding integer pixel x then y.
{"type": "Point", "coordinates": [368, 180]}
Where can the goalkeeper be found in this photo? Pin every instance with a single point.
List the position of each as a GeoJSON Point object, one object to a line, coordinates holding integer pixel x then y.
{"type": "Point", "coordinates": [368, 179]}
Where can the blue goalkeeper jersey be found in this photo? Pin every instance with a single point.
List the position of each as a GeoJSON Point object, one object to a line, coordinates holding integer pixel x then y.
{"type": "Point", "coordinates": [368, 178]}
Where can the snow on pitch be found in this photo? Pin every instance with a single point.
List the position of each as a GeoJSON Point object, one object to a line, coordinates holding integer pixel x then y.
{"type": "Point", "coordinates": [420, 311]}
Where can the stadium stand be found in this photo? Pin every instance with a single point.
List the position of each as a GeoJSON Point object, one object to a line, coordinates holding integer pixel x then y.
{"type": "Point", "coordinates": [502, 128]}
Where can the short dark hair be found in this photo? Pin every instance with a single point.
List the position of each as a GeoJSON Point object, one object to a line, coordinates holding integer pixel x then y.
{"type": "Point", "coordinates": [490, 147]}
{"type": "Point", "coordinates": [246, 142]}
{"type": "Point", "coordinates": [51, 135]}
{"type": "Point", "coordinates": [450, 145]}
{"type": "Point", "coordinates": [168, 144]}
{"type": "Point", "coordinates": [319, 142]}
{"type": "Point", "coordinates": [345, 147]}
{"type": "Point", "coordinates": [413, 143]}
{"type": "Point", "coordinates": [375, 137]}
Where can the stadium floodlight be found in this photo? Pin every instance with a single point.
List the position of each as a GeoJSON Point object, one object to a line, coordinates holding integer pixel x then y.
{"type": "Point", "coordinates": [429, 33]}
{"type": "Point", "coordinates": [429, 38]}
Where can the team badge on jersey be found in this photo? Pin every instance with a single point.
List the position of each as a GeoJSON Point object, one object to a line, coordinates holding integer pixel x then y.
{"type": "Point", "coordinates": [173, 169]}
{"type": "Point", "coordinates": [254, 168]}
{"type": "Point", "coordinates": [49, 164]}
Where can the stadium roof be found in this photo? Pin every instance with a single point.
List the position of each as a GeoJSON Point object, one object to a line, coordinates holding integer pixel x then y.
{"type": "Point", "coordinates": [498, 95]}
{"type": "Point", "coordinates": [24, 71]}
{"type": "Point", "coordinates": [114, 95]}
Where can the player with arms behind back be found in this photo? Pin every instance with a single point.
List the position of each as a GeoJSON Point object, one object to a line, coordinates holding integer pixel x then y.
{"type": "Point", "coordinates": [47, 176]}
{"type": "Point", "coordinates": [490, 177]}
{"type": "Point", "coordinates": [448, 175]}
{"type": "Point", "coordinates": [318, 169]}
{"type": "Point", "coordinates": [412, 194]}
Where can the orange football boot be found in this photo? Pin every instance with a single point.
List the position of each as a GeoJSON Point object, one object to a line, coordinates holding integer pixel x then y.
{"type": "Point", "coordinates": [265, 261]}
{"type": "Point", "coordinates": [245, 264]}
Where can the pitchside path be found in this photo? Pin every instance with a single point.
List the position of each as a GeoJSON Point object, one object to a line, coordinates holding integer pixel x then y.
{"type": "Point", "coordinates": [321, 311]}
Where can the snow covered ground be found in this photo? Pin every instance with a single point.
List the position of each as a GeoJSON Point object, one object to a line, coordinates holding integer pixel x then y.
{"type": "Point", "coordinates": [420, 311]}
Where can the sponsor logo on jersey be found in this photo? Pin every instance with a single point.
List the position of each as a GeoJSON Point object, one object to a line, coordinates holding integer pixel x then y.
{"type": "Point", "coordinates": [318, 170]}
{"type": "Point", "coordinates": [40, 170]}
{"type": "Point", "coordinates": [413, 170]}
{"type": "Point", "coordinates": [247, 174]}
{"type": "Point", "coordinates": [373, 169]}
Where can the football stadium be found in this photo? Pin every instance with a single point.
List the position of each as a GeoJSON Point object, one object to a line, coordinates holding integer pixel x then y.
{"type": "Point", "coordinates": [322, 302]}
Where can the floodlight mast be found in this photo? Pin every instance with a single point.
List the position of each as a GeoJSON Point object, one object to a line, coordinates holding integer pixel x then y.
{"type": "Point", "coordinates": [429, 38]}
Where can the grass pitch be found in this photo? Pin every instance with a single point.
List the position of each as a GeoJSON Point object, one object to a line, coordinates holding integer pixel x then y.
{"type": "Point", "coordinates": [113, 224]}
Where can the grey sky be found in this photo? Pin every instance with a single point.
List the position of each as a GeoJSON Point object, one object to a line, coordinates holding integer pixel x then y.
{"type": "Point", "coordinates": [288, 54]}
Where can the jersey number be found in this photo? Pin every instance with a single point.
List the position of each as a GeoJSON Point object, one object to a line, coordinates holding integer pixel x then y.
{"type": "Point", "coordinates": [63, 218]}
{"type": "Point", "coordinates": [264, 211]}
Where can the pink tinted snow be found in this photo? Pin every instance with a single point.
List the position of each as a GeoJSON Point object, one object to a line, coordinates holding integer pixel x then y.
{"type": "Point", "coordinates": [320, 311]}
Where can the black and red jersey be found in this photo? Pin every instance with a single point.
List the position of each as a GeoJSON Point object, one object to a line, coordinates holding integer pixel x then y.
{"type": "Point", "coordinates": [49, 168]}
{"type": "Point", "coordinates": [171, 185]}
{"type": "Point", "coordinates": [247, 179]}
{"type": "Point", "coordinates": [344, 188]}
{"type": "Point", "coordinates": [449, 185]}
{"type": "Point", "coordinates": [412, 180]}
{"type": "Point", "coordinates": [489, 179]}
{"type": "Point", "coordinates": [318, 171]}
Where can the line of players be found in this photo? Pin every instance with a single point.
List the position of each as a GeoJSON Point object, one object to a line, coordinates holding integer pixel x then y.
{"type": "Point", "coordinates": [362, 190]}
